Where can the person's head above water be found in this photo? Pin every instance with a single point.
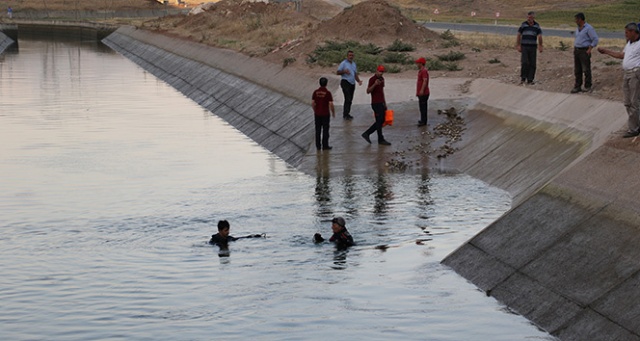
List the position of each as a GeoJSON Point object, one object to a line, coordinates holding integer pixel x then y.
{"type": "Point", "coordinates": [223, 228]}
{"type": "Point", "coordinates": [338, 224]}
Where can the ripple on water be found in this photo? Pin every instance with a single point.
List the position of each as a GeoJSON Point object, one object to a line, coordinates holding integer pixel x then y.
{"type": "Point", "coordinates": [106, 214]}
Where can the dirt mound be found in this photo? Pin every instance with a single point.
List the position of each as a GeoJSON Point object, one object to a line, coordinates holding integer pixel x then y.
{"type": "Point", "coordinates": [374, 21]}
{"type": "Point", "coordinates": [254, 28]}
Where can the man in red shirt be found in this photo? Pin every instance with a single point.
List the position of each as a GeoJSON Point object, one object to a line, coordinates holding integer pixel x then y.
{"type": "Point", "coordinates": [378, 104]}
{"type": "Point", "coordinates": [422, 90]}
{"type": "Point", "coordinates": [322, 103]}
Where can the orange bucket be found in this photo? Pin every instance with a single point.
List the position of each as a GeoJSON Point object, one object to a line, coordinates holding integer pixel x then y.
{"type": "Point", "coordinates": [388, 118]}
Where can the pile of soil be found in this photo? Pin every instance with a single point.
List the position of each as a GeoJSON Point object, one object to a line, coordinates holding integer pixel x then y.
{"type": "Point", "coordinates": [254, 28]}
{"type": "Point", "coordinates": [374, 21]}
{"type": "Point", "coordinates": [377, 22]}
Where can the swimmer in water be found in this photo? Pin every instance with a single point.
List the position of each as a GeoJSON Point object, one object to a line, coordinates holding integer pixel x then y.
{"type": "Point", "coordinates": [341, 237]}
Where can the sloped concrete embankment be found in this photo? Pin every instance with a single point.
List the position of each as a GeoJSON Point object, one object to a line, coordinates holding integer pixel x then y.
{"type": "Point", "coordinates": [265, 102]}
{"type": "Point", "coordinates": [5, 42]}
{"type": "Point", "coordinates": [566, 256]}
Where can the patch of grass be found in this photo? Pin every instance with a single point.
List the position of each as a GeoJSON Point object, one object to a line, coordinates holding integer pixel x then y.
{"type": "Point", "coordinates": [399, 46]}
{"type": "Point", "coordinates": [450, 43]}
{"type": "Point", "coordinates": [611, 62]}
{"type": "Point", "coordinates": [372, 49]}
{"type": "Point", "coordinates": [494, 61]}
{"type": "Point", "coordinates": [254, 24]}
{"type": "Point", "coordinates": [438, 65]}
{"type": "Point", "coordinates": [397, 58]}
{"type": "Point", "coordinates": [451, 56]}
{"type": "Point", "coordinates": [288, 61]}
{"type": "Point", "coordinates": [497, 42]}
{"type": "Point", "coordinates": [393, 68]}
{"type": "Point", "coordinates": [331, 53]}
{"type": "Point", "coordinates": [447, 35]}
{"type": "Point", "coordinates": [610, 16]}
{"type": "Point", "coordinates": [227, 42]}
{"type": "Point", "coordinates": [368, 63]}
{"type": "Point", "coordinates": [449, 39]}
{"type": "Point", "coordinates": [563, 46]}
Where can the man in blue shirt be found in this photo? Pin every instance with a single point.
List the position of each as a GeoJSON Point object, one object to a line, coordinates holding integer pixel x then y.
{"type": "Point", "coordinates": [586, 40]}
{"type": "Point", "coordinates": [349, 72]}
{"type": "Point", "coordinates": [528, 41]}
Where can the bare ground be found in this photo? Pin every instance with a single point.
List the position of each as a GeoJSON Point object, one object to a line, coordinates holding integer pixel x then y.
{"type": "Point", "coordinates": [276, 32]}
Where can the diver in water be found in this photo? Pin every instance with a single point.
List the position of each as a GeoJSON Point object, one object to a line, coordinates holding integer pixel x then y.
{"type": "Point", "coordinates": [222, 238]}
{"type": "Point", "coordinates": [341, 237]}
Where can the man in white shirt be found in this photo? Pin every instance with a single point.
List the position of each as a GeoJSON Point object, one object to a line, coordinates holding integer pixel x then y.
{"type": "Point", "coordinates": [348, 71]}
{"type": "Point", "coordinates": [631, 83]}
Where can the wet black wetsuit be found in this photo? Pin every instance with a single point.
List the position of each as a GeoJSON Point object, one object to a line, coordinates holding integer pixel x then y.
{"type": "Point", "coordinates": [219, 240]}
{"type": "Point", "coordinates": [342, 238]}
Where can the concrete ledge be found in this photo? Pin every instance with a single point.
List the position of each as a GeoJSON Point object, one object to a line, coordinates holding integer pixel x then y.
{"type": "Point", "coordinates": [5, 42]}
{"type": "Point", "coordinates": [268, 117]}
{"type": "Point", "coordinates": [565, 256]}
{"type": "Point", "coordinates": [573, 250]}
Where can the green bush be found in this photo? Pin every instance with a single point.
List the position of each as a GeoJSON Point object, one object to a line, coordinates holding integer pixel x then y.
{"type": "Point", "coordinates": [368, 63]}
{"type": "Point", "coordinates": [449, 39]}
{"type": "Point", "coordinates": [447, 35]}
{"type": "Point", "coordinates": [450, 43]}
{"type": "Point", "coordinates": [287, 61]}
{"type": "Point", "coordinates": [563, 46]}
{"type": "Point", "coordinates": [399, 46]}
{"type": "Point", "coordinates": [334, 52]}
{"type": "Point", "coordinates": [397, 58]}
{"type": "Point", "coordinates": [393, 68]}
{"type": "Point", "coordinates": [371, 49]}
{"type": "Point", "coordinates": [368, 56]}
{"type": "Point", "coordinates": [437, 65]}
{"type": "Point", "coordinates": [451, 56]}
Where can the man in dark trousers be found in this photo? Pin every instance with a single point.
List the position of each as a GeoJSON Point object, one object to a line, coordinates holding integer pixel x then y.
{"type": "Point", "coordinates": [422, 90]}
{"type": "Point", "coordinates": [378, 104]}
{"type": "Point", "coordinates": [322, 103]}
{"type": "Point", "coordinates": [348, 71]}
{"type": "Point", "coordinates": [528, 41]}
{"type": "Point", "coordinates": [586, 40]}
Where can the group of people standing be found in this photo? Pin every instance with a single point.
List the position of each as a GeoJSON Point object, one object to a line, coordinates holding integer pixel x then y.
{"type": "Point", "coordinates": [322, 100]}
{"type": "Point", "coordinates": [529, 42]}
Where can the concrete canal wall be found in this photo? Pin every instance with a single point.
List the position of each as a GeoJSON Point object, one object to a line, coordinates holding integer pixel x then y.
{"type": "Point", "coordinates": [565, 256]}
{"type": "Point", "coordinates": [267, 103]}
{"type": "Point", "coordinates": [5, 42]}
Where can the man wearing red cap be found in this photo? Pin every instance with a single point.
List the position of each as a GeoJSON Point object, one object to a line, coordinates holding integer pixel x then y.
{"type": "Point", "coordinates": [422, 90]}
{"type": "Point", "coordinates": [378, 104]}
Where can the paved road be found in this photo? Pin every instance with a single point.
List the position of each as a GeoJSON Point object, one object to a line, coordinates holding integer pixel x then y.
{"type": "Point", "coordinates": [512, 30]}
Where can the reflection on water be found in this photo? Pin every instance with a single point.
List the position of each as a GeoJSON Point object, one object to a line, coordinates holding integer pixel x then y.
{"type": "Point", "coordinates": [112, 183]}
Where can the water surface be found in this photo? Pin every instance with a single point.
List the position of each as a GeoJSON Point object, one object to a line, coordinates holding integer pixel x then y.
{"type": "Point", "coordinates": [112, 183]}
